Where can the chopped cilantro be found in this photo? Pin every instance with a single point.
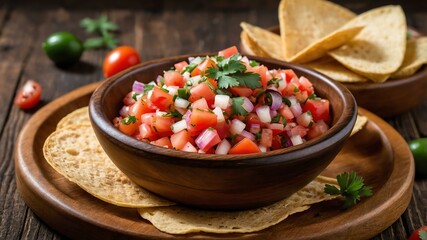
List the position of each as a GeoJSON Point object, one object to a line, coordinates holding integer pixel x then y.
{"type": "Point", "coordinates": [231, 73]}
{"type": "Point", "coordinates": [220, 91]}
{"type": "Point", "coordinates": [129, 120]}
{"type": "Point", "coordinates": [275, 119]}
{"type": "Point", "coordinates": [313, 96]}
{"type": "Point", "coordinates": [258, 136]}
{"type": "Point", "coordinates": [183, 93]}
{"type": "Point", "coordinates": [296, 90]}
{"type": "Point", "coordinates": [286, 101]}
{"type": "Point", "coordinates": [134, 96]}
{"type": "Point", "coordinates": [351, 187]}
{"type": "Point", "coordinates": [173, 113]}
{"type": "Point", "coordinates": [237, 106]}
{"type": "Point", "coordinates": [147, 88]}
{"type": "Point", "coordinates": [253, 63]}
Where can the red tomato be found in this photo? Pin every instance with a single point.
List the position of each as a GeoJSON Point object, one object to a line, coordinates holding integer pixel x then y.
{"type": "Point", "coordinates": [161, 99]}
{"type": "Point", "coordinates": [202, 67]}
{"type": "Point", "coordinates": [419, 234]}
{"type": "Point", "coordinates": [162, 142]}
{"type": "Point", "coordinates": [180, 66]}
{"type": "Point", "coordinates": [241, 91]}
{"type": "Point", "coordinates": [128, 129]}
{"type": "Point", "coordinates": [202, 91]}
{"type": "Point", "coordinates": [162, 124]}
{"type": "Point", "coordinates": [263, 73]}
{"type": "Point", "coordinates": [120, 59]}
{"type": "Point", "coordinates": [319, 109]}
{"type": "Point", "coordinates": [201, 119]}
{"type": "Point", "coordinates": [173, 78]}
{"type": "Point", "coordinates": [181, 138]}
{"type": "Point", "coordinates": [245, 146]}
{"type": "Point", "coordinates": [228, 52]}
{"type": "Point", "coordinates": [29, 95]}
{"type": "Point", "coordinates": [317, 129]}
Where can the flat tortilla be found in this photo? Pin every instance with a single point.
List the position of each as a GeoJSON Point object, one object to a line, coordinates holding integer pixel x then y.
{"type": "Point", "coordinates": [182, 220]}
{"type": "Point", "coordinates": [75, 152]}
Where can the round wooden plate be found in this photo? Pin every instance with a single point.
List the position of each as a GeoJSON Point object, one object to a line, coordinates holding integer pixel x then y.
{"type": "Point", "coordinates": [377, 153]}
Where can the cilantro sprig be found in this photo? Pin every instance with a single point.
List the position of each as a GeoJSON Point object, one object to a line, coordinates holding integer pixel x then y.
{"type": "Point", "coordinates": [351, 187]}
{"type": "Point", "coordinates": [129, 120]}
{"type": "Point", "coordinates": [103, 27]}
{"type": "Point", "coordinates": [231, 72]}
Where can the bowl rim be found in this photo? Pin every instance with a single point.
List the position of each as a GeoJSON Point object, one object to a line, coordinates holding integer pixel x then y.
{"type": "Point", "coordinates": [340, 130]}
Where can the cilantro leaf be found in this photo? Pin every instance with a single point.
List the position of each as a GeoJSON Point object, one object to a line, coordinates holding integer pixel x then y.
{"type": "Point", "coordinates": [351, 187]}
{"type": "Point", "coordinates": [248, 79]}
{"type": "Point", "coordinates": [227, 82]}
{"type": "Point", "coordinates": [102, 27]}
{"type": "Point", "coordinates": [232, 66]}
{"type": "Point", "coordinates": [237, 106]}
{"type": "Point", "coordinates": [129, 120]}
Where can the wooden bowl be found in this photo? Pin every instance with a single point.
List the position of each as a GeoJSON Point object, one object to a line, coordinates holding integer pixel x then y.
{"type": "Point", "coordinates": [219, 181]}
{"type": "Point", "coordinates": [386, 99]}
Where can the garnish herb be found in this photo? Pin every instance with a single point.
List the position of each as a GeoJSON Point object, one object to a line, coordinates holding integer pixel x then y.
{"type": "Point", "coordinates": [102, 27]}
{"type": "Point", "coordinates": [147, 88]}
{"type": "Point", "coordinates": [231, 73]}
{"type": "Point", "coordinates": [237, 106]}
{"type": "Point", "coordinates": [351, 187]}
{"type": "Point", "coordinates": [129, 120]}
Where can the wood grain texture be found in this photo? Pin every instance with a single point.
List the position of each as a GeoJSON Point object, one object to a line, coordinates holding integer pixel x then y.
{"type": "Point", "coordinates": [24, 24]}
{"type": "Point", "coordinates": [377, 153]}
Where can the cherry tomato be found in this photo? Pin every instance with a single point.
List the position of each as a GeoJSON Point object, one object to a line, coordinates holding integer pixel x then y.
{"type": "Point", "coordinates": [120, 59]}
{"type": "Point", "coordinates": [29, 95]}
{"type": "Point", "coordinates": [419, 151]}
{"type": "Point", "coordinates": [419, 234]}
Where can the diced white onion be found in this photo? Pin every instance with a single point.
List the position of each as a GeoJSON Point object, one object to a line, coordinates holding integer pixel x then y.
{"type": "Point", "coordinates": [138, 87]}
{"type": "Point", "coordinates": [219, 114]}
{"type": "Point", "coordinates": [262, 148]}
{"type": "Point", "coordinates": [295, 106]}
{"type": "Point", "coordinates": [223, 147]}
{"type": "Point", "coordinates": [237, 126]}
{"type": "Point", "coordinates": [247, 105]}
{"type": "Point", "coordinates": [247, 134]}
{"type": "Point", "coordinates": [263, 113]}
{"type": "Point", "coordinates": [181, 102]}
{"type": "Point", "coordinates": [296, 140]}
{"type": "Point", "coordinates": [124, 111]}
{"type": "Point", "coordinates": [186, 76]}
{"type": "Point", "coordinates": [195, 80]}
{"type": "Point", "coordinates": [222, 101]}
{"type": "Point", "coordinates": [160, 113]}
{"type": "Point", "coordinates": [178, 126]}
{"type": "Point", "coordinates": [172, 90]}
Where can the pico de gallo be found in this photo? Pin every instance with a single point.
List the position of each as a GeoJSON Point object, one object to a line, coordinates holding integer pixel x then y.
{"type": "Point", "coordinates": [224, 104]}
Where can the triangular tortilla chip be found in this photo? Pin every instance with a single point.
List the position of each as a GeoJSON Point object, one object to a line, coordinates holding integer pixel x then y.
{"type": "Point", "coordinates": [415, 58]}
{"type": "Point", "coordinates": [269, 42]}
{"type": "Point", "coordinates": [378, 50]}
{"type": "Point", "coordinates": [304, 22]}
{"type": "Point", "coordinates": [333, 69]}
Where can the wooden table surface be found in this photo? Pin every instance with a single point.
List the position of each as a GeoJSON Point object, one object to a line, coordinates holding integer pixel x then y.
{"type": "Point", "coordinates": [156, 29]}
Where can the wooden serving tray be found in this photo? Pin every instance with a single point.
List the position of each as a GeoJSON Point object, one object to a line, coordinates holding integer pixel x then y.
{"type": "Point", "coordinates": [377, 153]}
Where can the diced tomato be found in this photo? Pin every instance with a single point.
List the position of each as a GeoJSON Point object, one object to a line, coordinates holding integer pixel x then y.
{"type": "Point", "coordinates": [145, 131]}
{"type": "Point", "coordinates": [286, 112]}
{"type": "Point", "coordinates": [263, 73]}
{"type": "Point", "coordinates": [241, 91]}
{"type": "Point", "coordinates": [203, 90]}
{"type": "Point", "coordinates": [162, 142]}
{"type": "Point", "coordinates": [305, 119]}
{"type": "Point", "coordinates": [179, 139]}
{"type": "Point", "coordinates": [188, 147]}
{"type": "Point", "coordinates": [162, 124]}
{"type": "Point", "coordinates": [201, 119]}
{"type": "Point", "coordinates": [276, 128]}
{"type": "Point", "coordinates": [161, 99]}
{"type": "Point", "coordinates": [290, 74]}
{"type": "Point", "coordinates": [128, 129]}
{"type": "Point", "coordinates": [276, 142]}
{"type": "Point", "coordinates": [244, 146]}
{"type": "Point", "coordinates": [306, 85]}
{"type": "Point", "coordinates": [319, 109]}
{"type": "Point", "coordinates": [223, 129]}
{"type": "Point", "coordinates": [299, 130]}
{"type": "Point", "coordinates": [292, 88]}
{"type": "Point", "coordinates": [128, 100]}
{"type": "Point", "coordinates": [180, 66]}
{"type": "Point", "coordinates": [202, 67]}
{"type": "Point", "coordinates": [173, 78]}
{"type": "Point", "coordinates": [266, 137]}
{"type": "Point", "coordinates": [252, 118]}
{"type": "Point", "coordinates": [138, 108]}
{"type": "Point", "coordinates": [317, 129]}
{"type": "Point", "coordinates": [228, 52]}
{"type": "Point", "coordinates": [200, 104]}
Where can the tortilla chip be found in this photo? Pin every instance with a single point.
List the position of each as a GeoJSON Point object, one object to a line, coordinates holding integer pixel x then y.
{"type": "Point", "coordinates": [360, 123]}
{"type": "Point", "coordinates": [79, 116]}
{"type": "Point", "coordinates": [335, 70]}
{"type": "Point", "coordinates": [415, 58]}
{"type": "Point", "coordinates": [182, 220]}
{"type": "Point", "coordinates": [250, 46]}
{"type": "Point", "coordinates": [75, 152]}
{"type": "Point", "coordinates": [267, 41]}
{"type": "Point", "coordinates": [303, 22]}
{"type": "Point", "coordinates": [322, 46]}
{"type": "Point", "coordinates": [378, 50]}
